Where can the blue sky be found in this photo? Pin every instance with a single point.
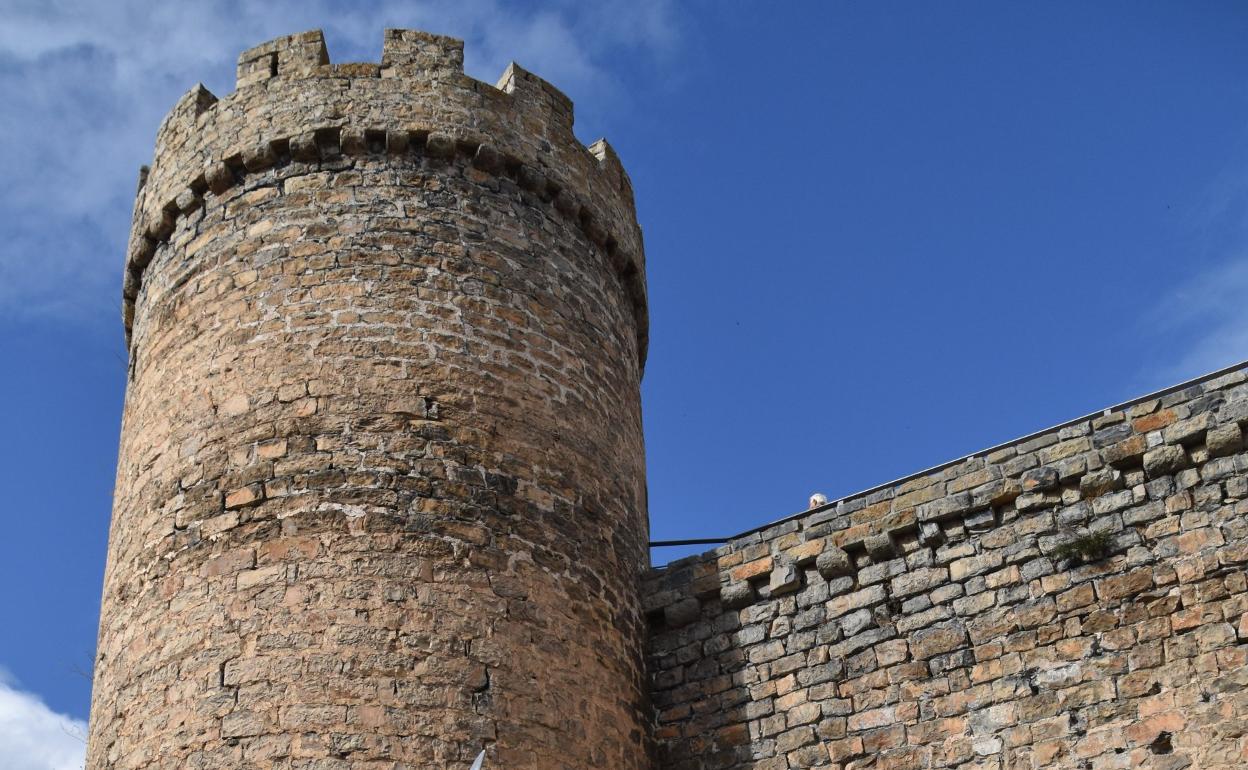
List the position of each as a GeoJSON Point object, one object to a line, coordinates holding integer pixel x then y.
{"type": "Point", "coordinates": [879, 236]}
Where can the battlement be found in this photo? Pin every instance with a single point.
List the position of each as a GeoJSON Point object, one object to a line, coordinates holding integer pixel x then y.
{"type": "Point", "coordinates": [421, 58]}
{"type": "Point", "coordinates": [528, 89]}
{"type": "Point", "coordinates": [404, 53]}
{"type": "Point", "coordinates": [407, 52]}
{"type": "Point", "coordinates": [292, 104]}
{"type": "Point", "coordinates": [290, 56]}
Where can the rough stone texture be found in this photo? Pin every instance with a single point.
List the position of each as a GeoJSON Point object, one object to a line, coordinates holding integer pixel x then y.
{"type": "Point", "coordinates": [969, 642]}
{"type": "Point", "coordinates": [380, 498]}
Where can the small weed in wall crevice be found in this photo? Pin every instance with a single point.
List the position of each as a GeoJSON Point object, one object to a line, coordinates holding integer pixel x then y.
{"type": "Point", "coordinates": [1089, 547]}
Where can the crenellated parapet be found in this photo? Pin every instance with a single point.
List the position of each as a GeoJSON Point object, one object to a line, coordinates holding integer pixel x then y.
{"type": "Point", "coordinates": [292, 105]}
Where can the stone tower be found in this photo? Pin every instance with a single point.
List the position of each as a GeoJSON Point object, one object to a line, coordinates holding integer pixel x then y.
{"type": "Point", "coordinates": [380, 500]}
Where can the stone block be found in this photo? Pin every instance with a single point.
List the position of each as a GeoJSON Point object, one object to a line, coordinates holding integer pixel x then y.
{"type": "Point", "coordinates": [930, 533]}
{"type": "Point", "coordinates": [243, 724]}
{"type": "Point", "coordinates": [945, 507]}
{"type": "Point", "coordinates": [244, 496]}
{"type": "Point", "coordinates": [682, 612]}
{"type": "Point", "coordinates": [1125, 453]}
{"type": "Point", "coordinates": [880, 547]}
{"type": "Point", "coordinates": [1189, 431]}
{"type": "Point", "coordinates": [785, 578]}
{"type": "Point", "coordinates": [833, 562]}
{"type": "Point", "coordinates": [1165, 461]}
{"type": "Point", "coordinates": [752, 569]}
{"type": "Point", "coordinates": [805, 553]}
{"type": "Point", "coordinates": [736, 594]}
{"type": "Point", "coordinates": [981, 521]}
{"type": "Point", "coordinates": [1101, 482]}
{"type": "Point", "coordinates": [1235, 409]}
{"type": "Point", "coordinates": [1035, 501]}
{"type": "Point", "coordinates": [1224, 440]}
{"type": "Point", "coordinates": [867, 597]}
{"type": "Point", "coordinates": [1040, 479]}
{"type": "Point", "coordinates": [918, 581]}
{"type": "Point", "coordinates": [974, 565]}
{"type": "Point", "coordinates": [939, 639]}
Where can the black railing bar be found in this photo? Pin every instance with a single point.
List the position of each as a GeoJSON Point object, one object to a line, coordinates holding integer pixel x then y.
{"type": "Point", "coordinates": [694, 541]}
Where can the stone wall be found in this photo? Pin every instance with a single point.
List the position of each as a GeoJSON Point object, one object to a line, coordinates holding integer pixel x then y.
{"type": "Point", "coordinates": [951, 619]}
{"type": "Point", "coordinates": [380, 498]}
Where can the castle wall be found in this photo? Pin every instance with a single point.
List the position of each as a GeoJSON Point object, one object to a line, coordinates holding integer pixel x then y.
{"type": "Point", "coordinates": [933, 623]}
{"type": "Point", "coordinates": [380, 498]}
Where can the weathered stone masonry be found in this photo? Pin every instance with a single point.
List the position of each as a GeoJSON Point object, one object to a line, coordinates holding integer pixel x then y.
{"type": "Point", "coordinates": [380, 498]}
{"type": "Point", "coordinates": [933, 623]}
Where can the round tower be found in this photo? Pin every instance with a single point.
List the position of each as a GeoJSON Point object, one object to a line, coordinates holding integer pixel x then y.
{"type": "Point", "coordinates": [380, 499]}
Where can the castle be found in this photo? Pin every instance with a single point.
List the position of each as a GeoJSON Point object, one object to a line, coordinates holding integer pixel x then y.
{"type": "Point", "coordinates": [381, 500]}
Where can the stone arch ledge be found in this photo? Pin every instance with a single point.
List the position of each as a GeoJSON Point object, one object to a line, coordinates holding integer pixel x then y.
{"type": "Point", "coordinates": [329, 142]}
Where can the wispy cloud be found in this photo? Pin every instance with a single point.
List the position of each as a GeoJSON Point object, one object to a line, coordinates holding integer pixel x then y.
{"type": "Point", "coordinates": [85, 83]}
{"type": "Point", "coordinates": [1207, 317]}
{"type": "Point", "coordinates": [34, 737]}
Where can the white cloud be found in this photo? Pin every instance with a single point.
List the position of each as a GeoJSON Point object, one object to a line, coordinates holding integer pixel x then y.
{"type": "Point", "coordinates": [1207, 318]}
{"type": "Point", "coordinates": [84, 84]}
{"type": "Point", "coordinates": [33, 737]}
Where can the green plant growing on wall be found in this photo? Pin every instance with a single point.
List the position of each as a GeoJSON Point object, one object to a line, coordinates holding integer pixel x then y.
{"type": "Point", "coordinates": [1092, 546]}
